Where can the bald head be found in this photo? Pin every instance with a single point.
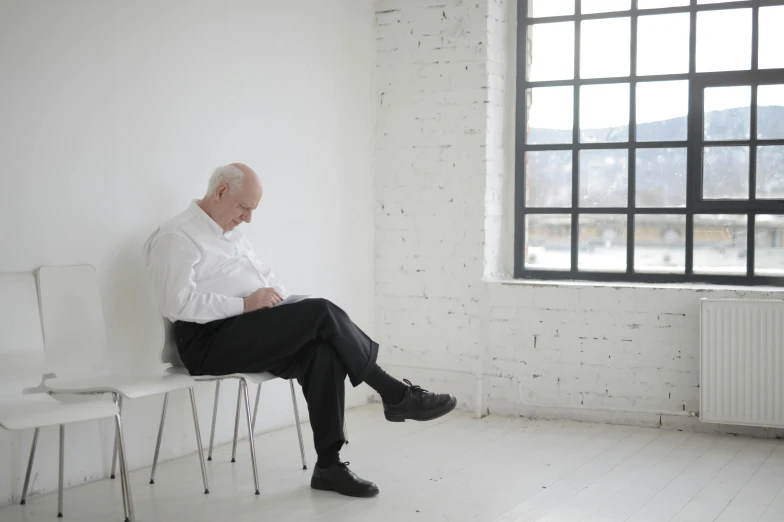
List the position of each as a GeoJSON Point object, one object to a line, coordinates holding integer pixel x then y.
{"type": "Point", "coordinates": [249, 176]}
{"type": "Point", "coordinates": [233, 193]}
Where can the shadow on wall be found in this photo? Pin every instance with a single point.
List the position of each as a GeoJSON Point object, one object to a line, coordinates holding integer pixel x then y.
{"type": "Point", "coordinates": [133, 324]}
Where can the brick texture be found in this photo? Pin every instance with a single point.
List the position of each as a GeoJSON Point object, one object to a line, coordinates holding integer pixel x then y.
{"type": "Point", "coordinates": [442, 186]}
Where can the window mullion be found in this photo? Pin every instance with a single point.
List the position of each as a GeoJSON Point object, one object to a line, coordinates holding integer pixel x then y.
{"type": "Point", "coordinates": [576, 141]}
{"type": "Point", "coordinates": [693, 154]}
{"type": "Point", "coordinates": [631, 202]}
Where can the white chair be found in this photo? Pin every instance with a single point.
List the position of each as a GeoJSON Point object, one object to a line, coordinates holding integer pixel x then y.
{"type": "Point", "coordinates": [75, 340]}
{"type": "Point", "coordinates": [22, 361]}
{"type": "Point", "coordinates": [171, 356]}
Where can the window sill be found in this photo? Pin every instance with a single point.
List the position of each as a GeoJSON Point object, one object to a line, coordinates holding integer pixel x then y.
{"type": "Point", "coordinates": [697, 287]}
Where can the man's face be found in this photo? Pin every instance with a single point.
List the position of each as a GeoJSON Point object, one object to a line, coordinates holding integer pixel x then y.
{"type": "Point", "coordinates": [236, 206]}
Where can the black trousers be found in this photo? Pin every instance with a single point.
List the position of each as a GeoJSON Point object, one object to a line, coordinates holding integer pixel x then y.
{"type": "Point", "coordinates": [313, 341]}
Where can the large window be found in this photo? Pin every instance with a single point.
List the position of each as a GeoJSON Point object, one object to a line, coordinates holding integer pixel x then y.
{"type": "Point", "coordinates": [650, 141]}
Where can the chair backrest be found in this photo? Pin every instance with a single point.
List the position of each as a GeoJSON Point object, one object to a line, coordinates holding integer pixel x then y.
{"type": "Point", "coordinates": [21, 341]}
{"type": "Point", "coordinates": [73, 320]}
{"type": "Point", "coordinates": [169, 353]}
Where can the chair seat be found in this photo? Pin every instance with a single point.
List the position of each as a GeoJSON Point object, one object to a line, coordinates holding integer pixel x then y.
{"type": "Point", "coordinates": [129, 386]}
{"type": "Point", "coordinates": [257, 378]}
{"type": "Point", "coordinates": [40, 410]}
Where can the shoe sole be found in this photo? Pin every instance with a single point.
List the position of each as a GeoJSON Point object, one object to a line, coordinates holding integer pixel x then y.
{"type": "Point", "coordinates": [325, 485]}
{"type": "Point", "coordinates": [401, 417]}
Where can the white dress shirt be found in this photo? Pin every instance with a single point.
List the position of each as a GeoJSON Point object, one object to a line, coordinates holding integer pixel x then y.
{"type": "Point", "coordinates": [200, 272]}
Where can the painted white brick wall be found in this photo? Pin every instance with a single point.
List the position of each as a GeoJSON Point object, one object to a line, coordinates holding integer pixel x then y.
{"type": "Point", "coordinates": [444, 180]}
{"type": "Point", "coordinates": [595, 349]}
{"type": "Point", "coordinates": [431, 79]}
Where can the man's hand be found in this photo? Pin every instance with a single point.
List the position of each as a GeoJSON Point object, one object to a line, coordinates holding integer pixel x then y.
{"type": "Point", "coordinates": [262, 298]}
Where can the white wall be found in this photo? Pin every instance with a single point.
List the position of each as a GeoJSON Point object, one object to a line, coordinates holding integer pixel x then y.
{"type": "Point", "coordinates": [444, 185]}
{"type": "Point", "coordinates": [112, 116]}
{"type": "Point", "coordinates": [627, 354]}
{"type": "Point", "coordinates": [430, 180]}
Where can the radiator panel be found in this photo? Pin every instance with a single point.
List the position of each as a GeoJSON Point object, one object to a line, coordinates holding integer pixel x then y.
{"type": "Point", "coordinates": [741, 362]}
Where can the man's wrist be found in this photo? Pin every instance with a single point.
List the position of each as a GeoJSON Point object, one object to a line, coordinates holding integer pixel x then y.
{"type": "Point", "coordinates": [236, 306]}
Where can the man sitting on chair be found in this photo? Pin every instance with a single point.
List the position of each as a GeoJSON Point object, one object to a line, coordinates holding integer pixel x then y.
{"type": "Point", "coordinates": [222, 299]}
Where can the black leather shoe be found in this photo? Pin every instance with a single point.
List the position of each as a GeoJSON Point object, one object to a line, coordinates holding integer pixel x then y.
{"type": "Point", "coordinates": [342, 480]}
{"type": "Point", "coordinates": [420, 405]}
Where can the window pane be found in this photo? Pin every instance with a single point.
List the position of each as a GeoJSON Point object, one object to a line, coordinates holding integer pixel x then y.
{"type": "Point", "coordinates": [725, 173]}
{"type": "Point", "coordinates": [602, 243]}
{"type": "Point", "coordinates": [661, 178]}
{"type": "Point", "coordinates": [727, 113]}
{"type": "Point", "coordinates": [770, 112]}
{"type": "Point", "coordinates": [552, 8]}
{"type": "Point", "coordinates": [604, 48]}
{"type": "Point", "coordinates": [724, 40]}
{"type": "Point", "coordinates": [662, 110]}
{"type": "Point", "coordinates": [657, 55]}
{"type": "Point", "coordinates": [604, 113]}
{"type": "Point", "coordinates": [603, 6]}
{"type": "Point", "coordinates": [771, 37]}
{"type": "Point", "coordinates": [720, 244]}
{"type": "Point", "coordinates": [769, 245]}
{"type": "Point", "coordinates": [548, 242]}
{"type": "Point", "coordinates": [552, 51]}
{"type": "Point", "coordinates": [548, 178]}
{"type": "Point", "coordinates": [770, 172]}
{"type": "Point", "coordinates": [660, 243]}
{"type": "Point", "coordinates": [604, 178]}
{"type": "Point", "coordinates": [550, 115]}
{"type": "Point", "coordinates": [654, 4]}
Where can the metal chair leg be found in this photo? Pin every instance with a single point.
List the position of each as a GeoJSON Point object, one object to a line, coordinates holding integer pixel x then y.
{"type": "Point", "coordinates": [299, 428]}
{"type": "Point", "coordinates": [160, 436]}
{"type": "Point", "coordinates": [124, 494]}
{"type": "Point", "coordinates": [60, 473]}
{"type": "Point", "coordinates": [214, 417]}
{"type": "Point", "coordinates": [198, 441]}
{"type": "Point", "coordinates": [256, 407]}
{"type": "Point", "coordinates": [244, 388]}
{"type": "Point", "coordinates": [345, 428]}
{"type": "Point", "coordinates": [29, 466]}
{"type": "Point", "coordinates": [130, 517]}
{"type": "Point", "coordinates": [114, 452]}
{"type": "Point", "coordinates": [236, 425]}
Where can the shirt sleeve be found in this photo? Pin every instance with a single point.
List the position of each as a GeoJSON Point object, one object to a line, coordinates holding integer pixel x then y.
{"type": "Point", "coordinates": [170, 261]}
{"type": "Point", "coordinates": [265, 271]}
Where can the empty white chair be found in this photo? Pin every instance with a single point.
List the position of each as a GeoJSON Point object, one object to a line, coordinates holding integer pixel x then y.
{"type": "Point", "coordinates": [171, 356]}
{"type": "Point", "coordinates": [22, 362]}
{"type": "Point", "coordinates": [75, 341]}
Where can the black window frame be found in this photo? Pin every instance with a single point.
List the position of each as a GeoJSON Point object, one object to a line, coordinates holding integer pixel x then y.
{"type": "Point", "coordinates": [695, 204]}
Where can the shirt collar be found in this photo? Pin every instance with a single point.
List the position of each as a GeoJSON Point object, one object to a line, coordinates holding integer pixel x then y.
{"type": "Point", "coordinates": [213, 226]}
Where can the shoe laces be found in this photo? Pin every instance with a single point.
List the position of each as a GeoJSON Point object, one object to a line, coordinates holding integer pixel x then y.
{"type": "Point", "coordinates": [345, 465]}
{"type": "Point", "coordinates": [418, 390]}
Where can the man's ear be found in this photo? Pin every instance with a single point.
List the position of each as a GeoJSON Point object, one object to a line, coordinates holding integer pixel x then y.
{"type": "Point", "coordinates": [221, 190]}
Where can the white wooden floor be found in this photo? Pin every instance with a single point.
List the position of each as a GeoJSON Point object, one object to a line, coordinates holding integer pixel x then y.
{"type": "Point", "coordinates": [457, 468]}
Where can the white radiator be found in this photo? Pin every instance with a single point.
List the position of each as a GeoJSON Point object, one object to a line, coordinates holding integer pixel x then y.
{"type": "Point", "coordinates": [741, 362]}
